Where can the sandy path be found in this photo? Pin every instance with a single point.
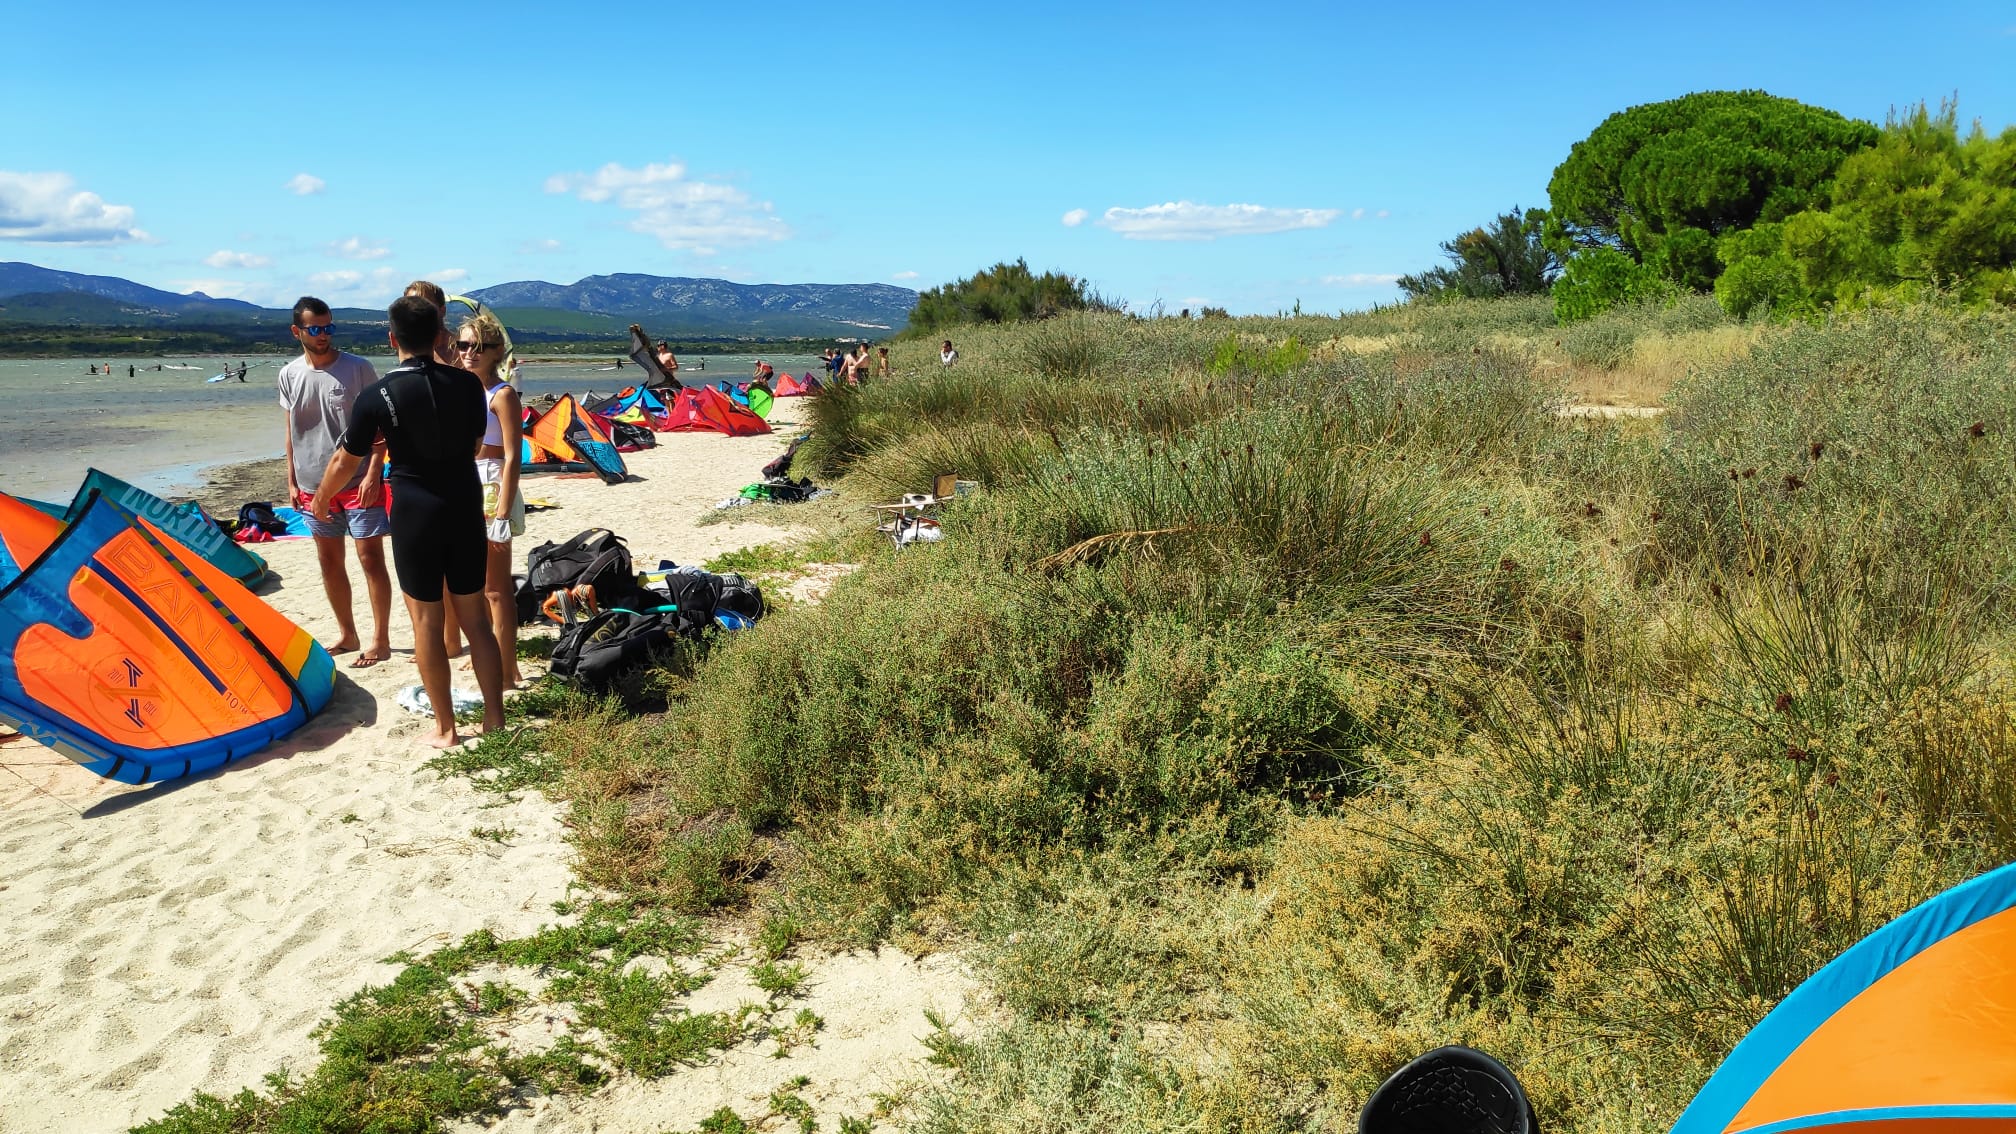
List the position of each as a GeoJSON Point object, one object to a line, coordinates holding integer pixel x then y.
{"type": "Point", "coordinates": [188, 936]}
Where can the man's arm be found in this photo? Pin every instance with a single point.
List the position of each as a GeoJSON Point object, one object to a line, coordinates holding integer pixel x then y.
{"type": "Point", "coordinates": [341, 465]}
{"type": "Point", "coordinates": [368, 489]}
{"type": "Point", "coordinates": [359, 440]}
{"type": "Point", "coordinates": [293, 484]}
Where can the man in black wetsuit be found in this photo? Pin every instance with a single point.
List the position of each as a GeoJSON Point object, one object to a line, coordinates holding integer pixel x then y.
{"type": "Point", "coordinates": [432, 419]}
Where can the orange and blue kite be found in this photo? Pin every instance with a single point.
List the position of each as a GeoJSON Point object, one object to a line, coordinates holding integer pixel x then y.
{"type": "Point", "coordinates": [135, 656]}
{"type": "Point", "coordinates": [1911, 1031]}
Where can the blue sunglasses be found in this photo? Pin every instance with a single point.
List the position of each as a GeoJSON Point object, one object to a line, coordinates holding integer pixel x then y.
{"type": "Point", "coordinates": [318, 332]}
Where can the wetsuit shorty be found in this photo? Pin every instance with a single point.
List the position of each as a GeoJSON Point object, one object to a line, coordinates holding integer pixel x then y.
{"type": "Point", "coordinates": [432, 417]}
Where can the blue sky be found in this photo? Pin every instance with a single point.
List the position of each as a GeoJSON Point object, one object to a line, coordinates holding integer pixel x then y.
{"type": "Point", "coordinates": [1240, 155]}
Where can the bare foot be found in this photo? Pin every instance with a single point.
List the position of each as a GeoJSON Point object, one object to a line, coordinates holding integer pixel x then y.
{"type": "Point", "coordinates": [439, 739]}
{"type": "Point", "coordinates": [371, 657]}
{"type": "Point", "coordinates": [343, 646]}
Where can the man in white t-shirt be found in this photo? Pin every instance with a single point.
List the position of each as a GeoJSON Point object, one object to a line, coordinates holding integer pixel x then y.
{"type": "Point", "coordinates": [317, 391]}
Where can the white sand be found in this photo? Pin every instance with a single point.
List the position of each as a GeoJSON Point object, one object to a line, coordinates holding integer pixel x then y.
{"type": "Point", "coordinates": [188, 936]}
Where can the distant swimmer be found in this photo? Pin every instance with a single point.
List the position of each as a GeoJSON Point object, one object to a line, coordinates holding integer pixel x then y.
{"type": "Point", "coordinates": [129, 370]}
{"type": "Point", "coordinates": [94, 368]}
{"type": "Point", "coordinates": [241, 371]}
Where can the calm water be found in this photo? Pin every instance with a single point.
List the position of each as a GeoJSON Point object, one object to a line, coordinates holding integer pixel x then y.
{"type": "Point", "coordinates": [161, 428]}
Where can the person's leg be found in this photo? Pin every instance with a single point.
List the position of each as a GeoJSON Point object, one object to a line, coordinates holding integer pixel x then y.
{"type": "Point", "coordinates": [499, 591]}
{"type": "Point", "coordinates": [377, 584]}
{"type": "Point", "coordinates": [451, 629]}
{"type": "Point", "coordinates": [336, 584]}
{"type": "Point", "coordinates": [483, 657]}
{"type": "Point", "coordinates": [433, 666]}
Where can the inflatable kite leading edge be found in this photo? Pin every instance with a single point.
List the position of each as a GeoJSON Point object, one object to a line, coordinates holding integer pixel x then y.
{"type": "Point", "coordinates": [1911, 1031]}
{"type": "Point", "coordinates": [136, 657]}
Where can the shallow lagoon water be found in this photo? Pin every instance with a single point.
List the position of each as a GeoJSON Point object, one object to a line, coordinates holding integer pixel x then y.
{"type": "Point", "coordinates": [161, 428]}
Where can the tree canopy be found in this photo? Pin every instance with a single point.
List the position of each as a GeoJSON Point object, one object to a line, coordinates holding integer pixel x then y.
{"type": "Point", "coordinates": [1925, 209]}
{"type": "Point", "coordinates": [1004, 293]}
{"type": "Point", "coordinates": [1663, 181]}
{"type": "Point", "coordinates": [1507, 258]}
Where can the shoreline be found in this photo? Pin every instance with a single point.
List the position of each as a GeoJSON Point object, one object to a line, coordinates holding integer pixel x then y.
{"type": "Point", "coordinates": [223, 488]}
{"type": "Point", "coordinates": [189, 935]}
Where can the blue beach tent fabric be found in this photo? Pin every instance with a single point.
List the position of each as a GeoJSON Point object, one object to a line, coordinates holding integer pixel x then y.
{"type": "Point", "coordinates": [137, 658]}
{"type": "Point", "coordinates": [1911, 1030]}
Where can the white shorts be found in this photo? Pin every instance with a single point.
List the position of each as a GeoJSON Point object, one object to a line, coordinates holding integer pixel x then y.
{"type": "Point", "coordinates": [490, 470]}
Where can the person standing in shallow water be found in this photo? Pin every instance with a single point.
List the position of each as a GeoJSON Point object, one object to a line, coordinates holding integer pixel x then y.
{"type": "Point", "coordinates": [317, 391]}
{"type": "Point", "coordinates": [432, 419]}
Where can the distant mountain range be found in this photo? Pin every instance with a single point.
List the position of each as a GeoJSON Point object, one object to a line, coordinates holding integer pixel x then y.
{"type": "Point", "coordinates": [672, 306]}
{"type": "Point", "coordinates": [598, 307]}
{"type": "Point", "coordinates": [115, 296]}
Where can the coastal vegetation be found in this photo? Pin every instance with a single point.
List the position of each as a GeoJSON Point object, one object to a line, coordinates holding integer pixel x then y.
{"type": "Point", "coordinates": [1772, 206]}
{"type": "Point", "coordinates": [1258, 728]}
{"type": "Point", "coordinates": [1271, 715]}
{"type": "Point", "coordinates": [1004, 293]}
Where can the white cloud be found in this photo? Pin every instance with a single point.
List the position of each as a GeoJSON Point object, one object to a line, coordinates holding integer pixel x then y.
{"type": "Point", "coordinates": [305, 184]}
{"type": "Point", "coordinates": [449, 275]}
{"type": "Point", "coordinates": [225, 258]}
{"type": "Point", "coordinates": [1383, 213]}
{"type": "Point", "coordinates": [356, 248]}
{"type": "Point", "coordinates": [48, 208]}
{"type": "Point", "coordinates": [684, 215]}
{"type": "Point", "coordinates": [356, 287]}
{"type": "Point", "coordinates": [904, 276]}
{"type": "Point", "coordinates": [1362, 279]}
{"type": "Point", "coordinates": [1183, 220]}
{"type": "Point", "coordinates": [547, 245]}
{"type": "Point", "coordinates": [1358, 214]}
{"type": "Point", "coordinates": [1075, 217]}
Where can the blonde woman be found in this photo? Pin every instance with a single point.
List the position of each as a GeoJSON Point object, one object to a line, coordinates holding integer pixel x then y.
{"type": "Point", "coordinates": [479, 349]}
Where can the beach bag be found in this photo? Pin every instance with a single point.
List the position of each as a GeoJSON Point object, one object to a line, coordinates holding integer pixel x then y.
{"type": "Point", "coordinates": [630, 437]}
{"type": "Point", "coordinates": [260, 516]}
{"type": "Point", "coordinates": [598, 653]}
{"type": "Point", "coordinates": [737, 595]}
{"type": "Point", "coordinates": [695, 593]}
{"type": "Point", "coordinates": [781, 464]}
{"type": "Point", "coordinates": [596, 557]}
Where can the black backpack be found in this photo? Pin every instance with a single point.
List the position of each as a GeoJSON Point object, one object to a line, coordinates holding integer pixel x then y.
{"type": "Point", "coordinates": [696, 597]}
{"type": "Point", "coordinates": [596, 557]}
{"type": "Point", "coordinates": [739, 596]}
{"type": "Point", "coordinates": [259, 514]}
{"type": "Point", "coordinates": [596, 654]}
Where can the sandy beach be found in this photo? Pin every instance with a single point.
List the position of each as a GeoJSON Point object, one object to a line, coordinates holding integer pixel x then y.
{"type": "Point", "coordinates": [188, 936]}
